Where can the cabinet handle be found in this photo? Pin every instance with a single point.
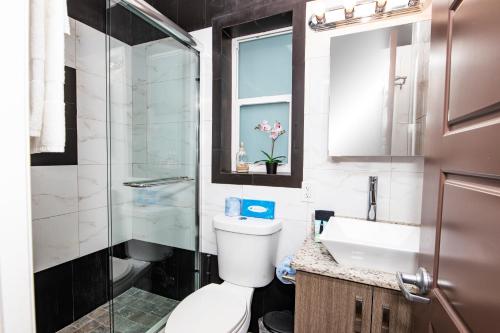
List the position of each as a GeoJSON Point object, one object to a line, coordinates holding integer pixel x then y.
{"type": "Point", "coordinates": [358, 314]}
{"type": "Point", "coordinates": [386, 319]}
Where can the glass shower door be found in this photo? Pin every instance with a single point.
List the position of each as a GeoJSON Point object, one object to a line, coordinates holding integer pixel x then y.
{"type": "Point", "coordinates": [153, 126]}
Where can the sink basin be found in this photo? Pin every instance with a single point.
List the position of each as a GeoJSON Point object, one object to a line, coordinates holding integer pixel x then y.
{"type": "Point", "coordinates": [381, 246]}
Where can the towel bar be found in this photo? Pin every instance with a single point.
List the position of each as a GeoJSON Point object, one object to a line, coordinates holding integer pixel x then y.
{"type": "Point", "coordinates": [157, 182]}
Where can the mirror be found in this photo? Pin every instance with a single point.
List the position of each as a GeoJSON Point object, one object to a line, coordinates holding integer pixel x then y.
{"type": "Point", "coordinates": [378, 91]}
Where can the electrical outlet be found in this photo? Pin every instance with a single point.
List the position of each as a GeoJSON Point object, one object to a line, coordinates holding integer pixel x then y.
{"type": "Point", "coordinates": [307, 192]}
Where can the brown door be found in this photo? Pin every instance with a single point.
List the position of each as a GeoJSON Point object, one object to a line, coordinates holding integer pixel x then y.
{"type": "Point", "coordinates": [460, 241]}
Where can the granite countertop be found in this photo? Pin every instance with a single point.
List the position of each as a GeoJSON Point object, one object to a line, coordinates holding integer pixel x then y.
{"type": "Point", "coordinates": [313, 257]}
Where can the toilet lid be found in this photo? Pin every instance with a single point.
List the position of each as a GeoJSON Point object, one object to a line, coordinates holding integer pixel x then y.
{"type": "Point", "coordinates": [121, 268]}
{"type": "Point", "coordinates": [209, 309]}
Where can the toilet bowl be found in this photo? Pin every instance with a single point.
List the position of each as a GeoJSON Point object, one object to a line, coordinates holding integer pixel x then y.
{"type": "Point", "coordinates": [126, 272]}
{"type": "Point", "coordinates": [246, 253]}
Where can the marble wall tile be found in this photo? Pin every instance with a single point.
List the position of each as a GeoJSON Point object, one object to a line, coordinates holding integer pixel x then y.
{"type": "Point", "coordinates": [292, 236]}
{"type": "Point", "coordinates": [90, 50]}
{"type": "Point", "coordinates": [167, 65]}
{"type": "Point", "coordinates": [139, 64]}
{"type": "Point", "coordinates": [173, 226]}
{"type": "Point", "coordinates": [316, 141]}
{"type": "Point", "coordinates": [120, 193]}
{"type": "Point", "coordinates": [120, 59]}
{"type": "Point", "coordinates": [121, 143]}
{"type": "Point", "coordinates": [122, 220]}
{"type": "Point", "coordinates": [92, 182]}
{"type": "Point", "coordinates": [54, 190]}
{"type": "Point", "coordinates": [93, 230]}
{"type": "Point", "coordinates": [171, 143]}
{"type": "Point", "coordinates": [319, 85]}
{"type": "Point", "coordinates": [70, 45]}
{"type": "Point", "coordinates": [139, 104]}
{"type": "Point", "coordinates": [289, 203]}
{"type": "Point", "coordinates": [139, 144]}
{"type": "Point", "coordinates": [407, 163]}
{"type": "Point", "coordinates": [169, 101]}
{"type": "Point", "coordinates": [208, 240]}
{"type": "Point", "coordinates": [91, 141]}
{"type": "Point", "coordinates": [346, 192]}
{"type": "Point", "coordinates": [55, 240]}
{"type": "Point", "coordinates": [205, 72]}
{"type": "Point", "coordinates": [181, 194]}
{"type": "Point", "coordinates": [120, 97]}
{"type": "Point", "coordinates": [91, 96]}
{"type": "Point", "coordinates": [406, 197]}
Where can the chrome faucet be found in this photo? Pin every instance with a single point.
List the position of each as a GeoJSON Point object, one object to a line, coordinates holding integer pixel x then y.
{"type": "Point", "coordinates": [372, 198]}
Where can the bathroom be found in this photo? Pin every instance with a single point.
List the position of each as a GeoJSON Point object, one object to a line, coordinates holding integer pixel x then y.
{"type": "Point", "coordinates": [251, 166]}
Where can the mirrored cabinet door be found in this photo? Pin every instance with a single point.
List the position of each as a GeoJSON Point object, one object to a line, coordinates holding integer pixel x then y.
{"type": "Point", "coordinates": [378, 97]}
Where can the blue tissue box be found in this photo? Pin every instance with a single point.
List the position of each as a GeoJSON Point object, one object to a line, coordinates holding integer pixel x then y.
{"type": "Point", "coordinates": [257, 208]}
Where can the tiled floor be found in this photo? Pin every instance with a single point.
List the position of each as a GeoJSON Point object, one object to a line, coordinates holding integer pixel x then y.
{"type": "Point", "coordinates": [135, 311]}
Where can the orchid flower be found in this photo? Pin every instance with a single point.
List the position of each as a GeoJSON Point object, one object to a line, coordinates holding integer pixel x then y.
{"type": "Point", "coordinates": [274, 133]}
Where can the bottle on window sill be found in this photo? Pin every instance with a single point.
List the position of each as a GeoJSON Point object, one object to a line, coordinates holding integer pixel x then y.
{"type": "Point", "coordinates": [241, 160]}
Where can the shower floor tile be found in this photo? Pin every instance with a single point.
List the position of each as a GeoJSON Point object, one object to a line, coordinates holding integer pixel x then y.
{"type": "Point", "coordinates": [135, 311]}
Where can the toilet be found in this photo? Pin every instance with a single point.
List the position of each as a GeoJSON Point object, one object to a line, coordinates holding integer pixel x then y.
{"type": "Point", "coordinates": [128, 271]}
{"type": "Point", "coordinates": [246, 254]}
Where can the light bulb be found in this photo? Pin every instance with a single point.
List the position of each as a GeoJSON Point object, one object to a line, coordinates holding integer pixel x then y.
{"type": "Point", "coordinates": [349, 8]}
{"type": "Point", "coordinates": [319, 13]}
{"type": "Point", "coordinates": [380, 6]}
{"type": "Point", "coordinates": [349, 5]}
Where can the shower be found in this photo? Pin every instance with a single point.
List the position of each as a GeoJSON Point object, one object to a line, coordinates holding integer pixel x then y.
{"type": "Point", "coordinates": [152, 140]}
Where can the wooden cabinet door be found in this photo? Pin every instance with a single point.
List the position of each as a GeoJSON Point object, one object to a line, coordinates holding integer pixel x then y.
{"type": "Point", "coordinates": [391, 312]}
{"type": "Point", "coordinates": [327, 305]}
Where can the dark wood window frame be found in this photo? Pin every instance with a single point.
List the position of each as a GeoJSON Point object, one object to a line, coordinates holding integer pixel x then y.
{"type": "Point", "coordinates": [274, 15]}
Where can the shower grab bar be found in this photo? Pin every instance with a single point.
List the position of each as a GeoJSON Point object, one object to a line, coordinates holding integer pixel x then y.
{"type": "Point", "coordinates": [157, 182]}
{"type": "Point", "coordinates": [142, 8]}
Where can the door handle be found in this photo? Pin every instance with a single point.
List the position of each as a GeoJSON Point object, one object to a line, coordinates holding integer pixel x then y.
{"type": "Point", "coordinates": [422, 280]}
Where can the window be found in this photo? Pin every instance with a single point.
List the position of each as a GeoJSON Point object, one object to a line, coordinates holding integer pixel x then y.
{"type": "Point", "coordinates": [262, 88]}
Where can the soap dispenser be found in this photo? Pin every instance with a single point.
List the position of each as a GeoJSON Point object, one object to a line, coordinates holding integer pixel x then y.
{"type": "Point", "coordinates": [241, 160]}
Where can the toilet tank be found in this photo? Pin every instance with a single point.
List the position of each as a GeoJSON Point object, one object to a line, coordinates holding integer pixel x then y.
{"type": "Point", "coordinates": [246, 249]}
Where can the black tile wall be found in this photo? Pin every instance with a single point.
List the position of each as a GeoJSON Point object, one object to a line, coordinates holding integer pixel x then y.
{"type": "Point", "coordinates": [89, 12]}
{"type": "Point", "coordinates": [66, 292]}
{"type": "Point", "coordinates": [125, 26]}
{"type": "Point", "coordinates": [90, 282]}
{"type": "Point", "coordinates": [70, 155]}
{"type": "Point", "coordinates": [120, 24]}
{"type": "Point", "coordinates": [54, 298]}
{"type": "Point", "coordinates": [192, 14]}
{"type": "Point", "coordinates": [209, 270]}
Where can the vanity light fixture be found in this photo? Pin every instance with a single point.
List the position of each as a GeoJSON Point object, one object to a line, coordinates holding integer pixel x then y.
{"type": "Point", "coordinates": [362, 11]}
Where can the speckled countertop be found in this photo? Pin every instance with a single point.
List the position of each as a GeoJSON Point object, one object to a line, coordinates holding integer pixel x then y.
{"type": "Point", "coordinates": [313, 257]}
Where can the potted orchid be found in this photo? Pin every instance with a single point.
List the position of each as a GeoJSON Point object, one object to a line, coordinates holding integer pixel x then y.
{"type": "Point", "coordinates": [274, 132]}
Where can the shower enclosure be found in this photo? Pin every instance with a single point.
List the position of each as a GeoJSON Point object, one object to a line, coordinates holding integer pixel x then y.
{"type": "Point", "coordinates": [152, 135]}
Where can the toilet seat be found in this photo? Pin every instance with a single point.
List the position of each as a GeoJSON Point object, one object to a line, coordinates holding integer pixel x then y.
{"type": "Point", "coordinates": [213, 308]}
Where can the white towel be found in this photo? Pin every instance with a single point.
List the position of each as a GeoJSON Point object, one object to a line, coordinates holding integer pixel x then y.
{"type": "Point", "coordinates": [49, 22]}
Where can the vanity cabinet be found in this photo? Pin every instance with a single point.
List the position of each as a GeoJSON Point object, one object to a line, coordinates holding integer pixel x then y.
{"type": "Point", "coordinates": [328, 305]}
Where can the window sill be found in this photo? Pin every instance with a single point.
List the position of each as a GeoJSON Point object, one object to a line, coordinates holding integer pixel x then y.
{"type": "Point", "coordinates": [281, 179]}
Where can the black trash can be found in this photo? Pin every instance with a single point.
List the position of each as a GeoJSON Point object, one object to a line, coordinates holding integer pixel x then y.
{"type": "Point", "coordinates": [278, 321]}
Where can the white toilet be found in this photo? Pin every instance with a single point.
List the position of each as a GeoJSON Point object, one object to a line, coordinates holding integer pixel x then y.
{"type": "Point", "coordinates": [246, 254]}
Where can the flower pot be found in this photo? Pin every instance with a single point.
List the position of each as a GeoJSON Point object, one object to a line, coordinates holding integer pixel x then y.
{"type": "Point", "coordinates": [271, 168]}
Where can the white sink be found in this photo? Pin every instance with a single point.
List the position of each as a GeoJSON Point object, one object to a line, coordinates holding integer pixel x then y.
{"type": "Point", "coordinates": [381, 246]}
